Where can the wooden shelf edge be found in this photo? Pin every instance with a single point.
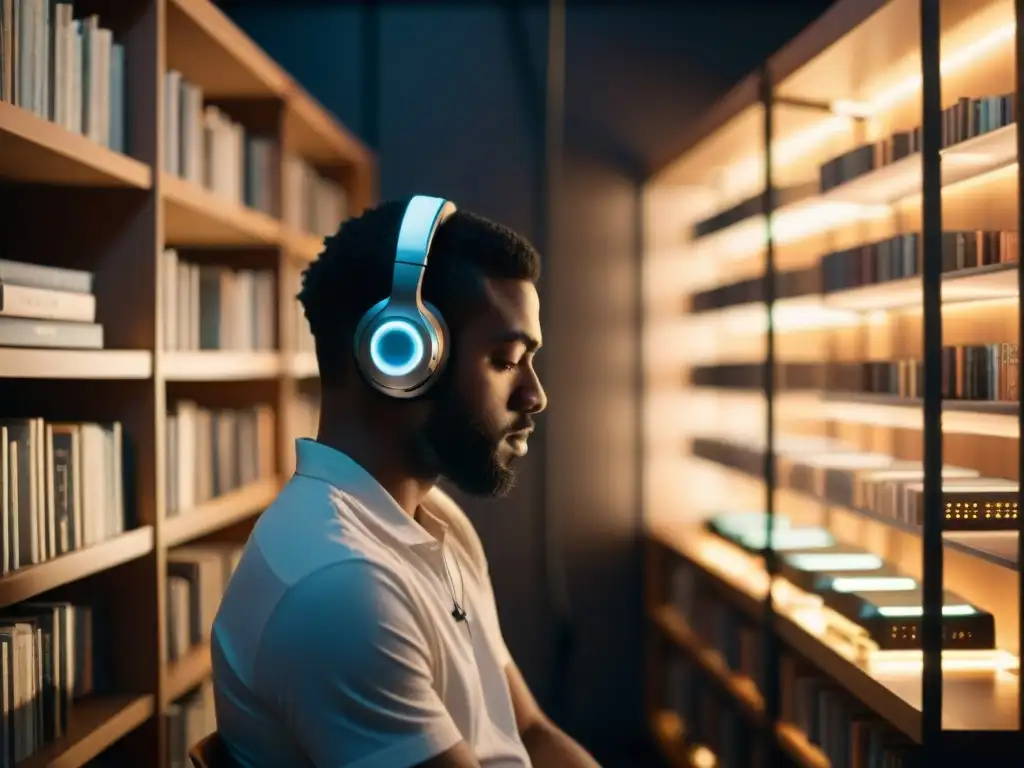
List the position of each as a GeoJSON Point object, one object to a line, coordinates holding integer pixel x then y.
{"type": "Point", "coordinates": [302, 365]}
{"type": "Point", "coordinates": [104, 167]}
{"type": "Point", "coordinates": [743, 690]}
{"type": "Point", "coordinates": [220, 512]}
{"type": "Point", "coordinates": [343, 145]}
{"type": "Point", "coordinates": [302, 246]}
{"type": "Point", "coordinates": [236, 224]}
{"type": "Point", "coordinates": [186, 673]}
{"type": "Point", "coordinates": [94, 725]}
{"type": "Point", "coordinates": [217, 365]}
{"type": "Point", "coordinates": [98, 364]}
{"type": "Point", "coordinates": [218, 27]}
{"type": "Point", "coordinates": [33, 580]}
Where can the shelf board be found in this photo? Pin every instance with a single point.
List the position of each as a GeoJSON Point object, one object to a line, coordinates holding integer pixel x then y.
{"type": "Point", "coordinates": [220, 512]}
{"type": "Point", "coordinates": [993, 281]}
{"type": "Point", "coordinates": [206, 46]}
{"type": "Point", "coordinates": [902, 179]}
{"type": "Point", "coordinates": [36, 150]}
{"type": "Point", "coordinates": [314, 135]}
{"type": "Point", "coordinates": [33, 580]}
{"type": "Point", "coordinates": [196, 216]}
{"type": "Point", "coordinates": [186, 673]}
{"type": "Point", "coordinates": [94, 724]}
{"type": "Point", "coordinates": [302, 246]}
{"type": "Point", "coordinates": [20, 363]}
{"type": "Point", "coordinates": [743, 690]}
{"type": "Point", "coordinates": [215, 365]}
{"type": "Point", "coordinates": [740, 688]}
{"type": "Point", "coordinates": [964, 417]}
{"type": "Point", "coordinates": [973, 701]}
{"type": "Point", "coordinates": [303, 365]}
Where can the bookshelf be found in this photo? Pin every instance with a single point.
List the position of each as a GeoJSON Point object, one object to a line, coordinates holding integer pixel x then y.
{"type": "Point", "coordinates": [154, 367]}
{"type": "Point", "coordinates": [800, 378]}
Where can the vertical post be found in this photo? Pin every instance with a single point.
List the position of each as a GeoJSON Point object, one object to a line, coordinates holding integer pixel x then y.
{"type": "Point", "coordinates": [1018, 102]}
{"type": "Point", "coordinates": [556, 577]}
{"type": "Point", "coordinates": [770, 666]}
{"type": "Point", "coordinates": [931, 683]}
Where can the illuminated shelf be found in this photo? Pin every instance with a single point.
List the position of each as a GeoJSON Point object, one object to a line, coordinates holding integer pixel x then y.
{"type": "Point", "coordinates": [966, 417]}
{"type": "Point", "coordinates": [94, 724]}
{"type": "Point", "coordinates": [38, 151]}
{"type": "Point", "coordinates": [221, 512]}
{"type": "Point", "coordinates": [994, 281]}
{"type": "Point", "coordinates": [973, 701]}
{"type": "Point", "coordinates": [216, 365]}
{"type": "Point", "coordinates": [996, 547]}
{"type": "Point", "coordinates": [188, 672]}
{"type": "Point", "coordinates": [195, 216]}
{"type": "Point", "coordinates": [966, 159]}
{"type": "Point", "coordinates": [31, 580]}
{"type": "Point", "coordinates": [21, 363]}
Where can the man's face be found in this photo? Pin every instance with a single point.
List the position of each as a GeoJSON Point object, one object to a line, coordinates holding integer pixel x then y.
{"type": "Point", "coordinates": [482, 416]}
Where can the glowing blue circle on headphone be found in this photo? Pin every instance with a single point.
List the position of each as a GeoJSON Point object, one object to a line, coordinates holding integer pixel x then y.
{"type": "Point", "coordinates": [396, 348]}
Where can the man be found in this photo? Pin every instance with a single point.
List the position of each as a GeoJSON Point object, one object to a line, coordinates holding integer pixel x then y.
{"type": "Point", "coordinates": [359, 628]}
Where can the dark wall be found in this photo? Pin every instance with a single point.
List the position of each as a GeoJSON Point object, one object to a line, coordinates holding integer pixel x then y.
{"type": "Point", "coordinates": [452, 100]}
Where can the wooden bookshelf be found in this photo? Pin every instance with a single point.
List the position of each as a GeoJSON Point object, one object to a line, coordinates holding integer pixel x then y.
{"type": "Point", "coordinates": [223, 512]}
{"type": "Point", "coordinates": [186, 673]}
{"type": "Point", "coordinates": [848, 209]}
{"type": "Point", "coordinates": [75, 203]}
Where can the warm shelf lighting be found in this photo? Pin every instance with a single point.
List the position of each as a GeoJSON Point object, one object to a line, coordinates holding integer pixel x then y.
{"type": "Point", "coordinates": [839, 633]}
{"type": "Point", "coordinates": [748, 172]}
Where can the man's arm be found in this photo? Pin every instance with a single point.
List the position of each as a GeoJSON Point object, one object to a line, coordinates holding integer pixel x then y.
{"type": "Point", "coordinates": [345, 663]}
{"type": "Point", "coordinates": [547, 744]}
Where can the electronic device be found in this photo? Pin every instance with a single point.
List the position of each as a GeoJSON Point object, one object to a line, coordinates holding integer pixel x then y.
{"type": "Point", "coordinates": [893, 618]}
{"type": "Point", "coordinates": [401, 343]}
{"type": "Point", "coordinates": [729, 523]}
{"type": "Point", "coordinates": [978, 504]}
{"type": "Point", "coordinates": [883, 490]}
{"type": "Point", "coordinates": [783, 539]}
{"type": "Point", "coordinates": [833, 559]}
{"type": "Point", "coordinates": [796, 570]}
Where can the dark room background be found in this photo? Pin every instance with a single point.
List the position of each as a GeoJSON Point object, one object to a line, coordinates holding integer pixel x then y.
{"type": "Point", "coordinates": [452, 98]}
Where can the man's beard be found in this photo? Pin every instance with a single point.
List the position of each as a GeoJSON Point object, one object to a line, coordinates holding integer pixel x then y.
{"type": "Point", "coordinates": [454, 445]}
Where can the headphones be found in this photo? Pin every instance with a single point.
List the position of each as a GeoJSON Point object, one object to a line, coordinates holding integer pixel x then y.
{"type": "Point", "coordinates": [401, 343]}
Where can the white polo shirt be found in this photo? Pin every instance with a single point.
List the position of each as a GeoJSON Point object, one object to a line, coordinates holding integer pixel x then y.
{"type": "Point", "coordinates": [335, 645]}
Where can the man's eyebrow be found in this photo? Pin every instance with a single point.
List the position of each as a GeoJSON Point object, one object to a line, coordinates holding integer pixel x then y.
{"type": "Point", "coordinates": [511, 337]}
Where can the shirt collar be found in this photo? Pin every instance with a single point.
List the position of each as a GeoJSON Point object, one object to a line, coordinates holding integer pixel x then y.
{"type": "Point", "coordinates": [340, 471]}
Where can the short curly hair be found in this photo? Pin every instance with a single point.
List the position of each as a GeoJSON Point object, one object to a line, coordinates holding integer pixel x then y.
{"type": "Point", "coordinates": [354, 272]}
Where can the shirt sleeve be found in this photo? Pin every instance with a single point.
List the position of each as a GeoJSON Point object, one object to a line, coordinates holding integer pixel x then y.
{"type": "Point", "coordinates": [347, 664]}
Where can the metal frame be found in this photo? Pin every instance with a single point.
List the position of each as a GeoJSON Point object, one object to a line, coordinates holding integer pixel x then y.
{"type": "Point", "coordinates": [770, 656]}
{"type": "Point", "coordinates": [931, 243]}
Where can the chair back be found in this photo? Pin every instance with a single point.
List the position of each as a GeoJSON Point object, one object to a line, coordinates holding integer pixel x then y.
{"type": "Point", "coordinates": [208, 752]}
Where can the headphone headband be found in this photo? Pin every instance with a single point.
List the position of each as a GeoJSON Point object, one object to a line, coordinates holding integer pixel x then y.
{"type": "Point", "coordinates": [422, 217]}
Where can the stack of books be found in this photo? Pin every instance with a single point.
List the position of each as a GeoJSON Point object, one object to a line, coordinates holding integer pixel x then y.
{"type": "Point", "coordinates": [43, 306]}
